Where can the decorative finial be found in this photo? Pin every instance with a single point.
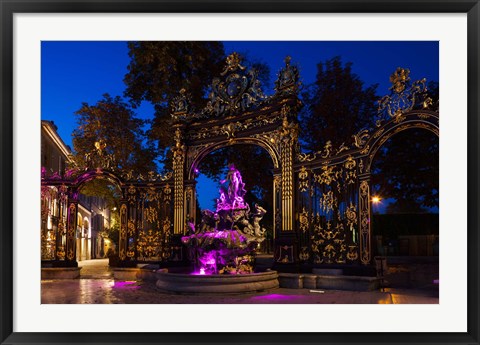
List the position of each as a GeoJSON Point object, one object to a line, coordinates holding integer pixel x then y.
{"type": "Point", "coordinates": [288, 78]}
{"type": "Point", "coordinates": [233, 63]}
{"type": "Point", "coordinates": [399, 79]}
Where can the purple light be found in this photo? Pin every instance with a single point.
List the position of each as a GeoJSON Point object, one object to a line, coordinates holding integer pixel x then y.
{"type": "Point", "coordinates": [276, 297]}
{"type": "Point", "coordinates": [218, 242]}
{"type": "Point", "coordinates": [196, 171]}
{"type": "Point", "coordinates": [125, 284]}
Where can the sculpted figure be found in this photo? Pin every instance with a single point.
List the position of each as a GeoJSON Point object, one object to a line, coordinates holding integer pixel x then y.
{"type": "Point", "coordinates": [257, 217]}
{"type": "Point", "coordinates": [208, 221]}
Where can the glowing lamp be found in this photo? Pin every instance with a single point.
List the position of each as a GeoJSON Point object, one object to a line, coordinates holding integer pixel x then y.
{"type": "Point", "coordinates": [376, 199]}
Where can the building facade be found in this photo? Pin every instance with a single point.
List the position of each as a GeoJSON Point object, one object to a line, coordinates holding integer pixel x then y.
{"type": "Point", "coordinates": [93, 217]}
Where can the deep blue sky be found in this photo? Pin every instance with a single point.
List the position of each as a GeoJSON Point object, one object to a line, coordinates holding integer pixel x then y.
{"type": "Point", "coordinates": [82, 71]}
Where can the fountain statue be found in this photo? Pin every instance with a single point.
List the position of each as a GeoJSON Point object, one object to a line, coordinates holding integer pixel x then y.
{"type": "Point", "coordinates": [225, 240]}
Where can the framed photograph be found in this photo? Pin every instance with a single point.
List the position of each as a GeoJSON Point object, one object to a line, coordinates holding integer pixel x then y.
{"type": "Point", "coordinates": [45, 47]}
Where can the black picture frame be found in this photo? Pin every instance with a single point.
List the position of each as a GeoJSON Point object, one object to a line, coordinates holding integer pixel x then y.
{"type": "Point", "coordinates": [10, 7]}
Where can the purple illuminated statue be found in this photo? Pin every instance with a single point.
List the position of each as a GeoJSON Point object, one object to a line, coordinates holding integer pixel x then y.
{"type": "Point", "coordinates": [226, 239]}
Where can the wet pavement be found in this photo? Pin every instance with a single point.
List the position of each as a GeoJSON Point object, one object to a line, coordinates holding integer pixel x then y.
{"type": "Point", "coordinates": [97, 286]}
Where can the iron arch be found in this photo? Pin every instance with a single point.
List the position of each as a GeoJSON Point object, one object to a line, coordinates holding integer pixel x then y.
{"type": "Point", "coordinates": [427, 120]}
{"type": "Point", "coordinates": [274, 155]}
{"type": "Point", "coordinates": [98, 174]}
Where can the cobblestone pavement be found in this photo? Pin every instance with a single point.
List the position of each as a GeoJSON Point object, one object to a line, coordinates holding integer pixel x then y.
{"type": "Point", "coordinates": [95, 269]}
{"type": "Point", "coordinates": [110, 291]}
{"type": "Point", "coordinates": [97, 286]}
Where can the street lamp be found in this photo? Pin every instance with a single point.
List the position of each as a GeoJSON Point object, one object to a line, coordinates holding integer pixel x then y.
{"type": "Point", "coordinates": [375, 201]}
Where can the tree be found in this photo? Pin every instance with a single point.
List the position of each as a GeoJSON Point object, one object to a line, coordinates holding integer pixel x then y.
{"type": "Point", "coordinates": [159, 70]}
{"type": "Point", "coordinates": [113, 121]}
{"type": "Point", "coordinates": [406, 169]}
{"type": "Point", "coordinates": [337, 106]}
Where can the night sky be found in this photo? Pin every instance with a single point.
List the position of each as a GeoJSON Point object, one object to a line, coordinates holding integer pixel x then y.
{"type": "Point", "coordinates": [76, 72]}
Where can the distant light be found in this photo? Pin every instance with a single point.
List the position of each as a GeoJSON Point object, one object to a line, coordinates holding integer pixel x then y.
{"type": "Point", "coordinates": [114, 208]}
{"type": "Point", "coordinates": [196, 171]}
{"type": "Point", "coordinates": [202, 271]}
{"type": "Point", "coordinates": [376, 199]}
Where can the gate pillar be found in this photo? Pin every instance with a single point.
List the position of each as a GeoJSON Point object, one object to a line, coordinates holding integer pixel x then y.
{"type": "Point", "coordinates": [286, 251]}
{"type": "Point", "coordinates": [277, 203]}
{"type": "Point", "coordinates": [70, 242]}
{"type": "Point", "coordinates": [178, 173]}
{"type": "Point", "coordinates": [365, 215]}
{"type": "Point", "coordinates": [123, 238]}
{"type": "Point", "coordinates": [190, 204]}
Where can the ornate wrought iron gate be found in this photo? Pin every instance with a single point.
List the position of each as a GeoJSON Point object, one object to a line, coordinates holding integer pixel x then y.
{"type": "Point", "coordinates": [321, 200]}
{"type": "Point", "coordinates": [146, 213]}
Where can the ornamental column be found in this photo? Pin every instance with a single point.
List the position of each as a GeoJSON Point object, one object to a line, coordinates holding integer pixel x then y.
{"type": "Point", "coordinates": [288, 135]}
{"type": "Point", "coordinates": [178, 191]}
{"type": "Point", "coordinates": [70, 241]}
{"type": "Point", "coordinates": [190, 204]}
{"type": "Point", "coordinates": [123, 240]}
{"type": "Point", "coordinates": [286, 243]}
{"type": "Point", "coordinates": [365, 215]}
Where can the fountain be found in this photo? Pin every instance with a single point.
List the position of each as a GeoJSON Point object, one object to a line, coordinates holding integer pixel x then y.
{"type": "Point", "coordinates": [223, 245]}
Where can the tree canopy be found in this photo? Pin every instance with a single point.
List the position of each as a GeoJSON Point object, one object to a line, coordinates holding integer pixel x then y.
{"type": "Point", "coordinates": [337, 105]}
{"type": "Point", "coordinates": [159, 70]}
{"type": "Point", "coordinates": [406, 170]}
{"type": "Point", "coordinates": [113, 121]}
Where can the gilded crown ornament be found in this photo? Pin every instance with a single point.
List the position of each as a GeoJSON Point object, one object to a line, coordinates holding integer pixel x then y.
{"type": "Point", "coordinates": [237, 90]}
{"type": "Point", "coordinates": [405, 95]}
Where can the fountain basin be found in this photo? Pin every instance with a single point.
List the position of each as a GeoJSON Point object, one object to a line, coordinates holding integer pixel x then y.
{"type": "Point", "coordinates": [217, 283]}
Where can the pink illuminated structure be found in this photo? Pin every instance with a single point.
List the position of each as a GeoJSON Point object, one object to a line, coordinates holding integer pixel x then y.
{"type": "Point", "coordinates": [225, 240]}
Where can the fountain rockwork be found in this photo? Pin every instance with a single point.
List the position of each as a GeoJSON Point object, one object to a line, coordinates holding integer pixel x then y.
{"type": "Point", "coordinates": [226, 239]}
{"type": "Point", "coordinates": [222, 247]}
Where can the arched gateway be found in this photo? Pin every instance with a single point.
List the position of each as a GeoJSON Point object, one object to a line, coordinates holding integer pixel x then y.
{"type": "Point", "coordinates": [321, 200]}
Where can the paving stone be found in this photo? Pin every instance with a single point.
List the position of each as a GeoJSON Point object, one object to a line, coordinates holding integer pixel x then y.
{"type": "Point", "coordinates": [110, 291]}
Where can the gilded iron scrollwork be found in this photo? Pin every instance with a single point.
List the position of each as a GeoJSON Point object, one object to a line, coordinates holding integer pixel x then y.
{"type": "Point", "coordinates": [99, 158]}
{"type": "Point", "coordinates": [285, 254]}
{"type": "Point", "coordinates": [303, 220]}
{"type": "Point", "coordinates": [237, 91]}
{"type": "Point", "coordinates": [288, 79]}
{"type": "Point", "coordinates": [180, 106]}
{"type": "Point", "coordinates": [178, 168]}
{"type": "Point", "coordinates": [123, 232]}
{"type": "Point", "coordinates": [351, 217]}
{"type": "Point", "coordinates": [405, 95]}
{"type": "Point", "coordinates": [303, 179]}
{"type": "Point", "coordinates": [364, 205]}
{"type": "Point", "coordinates": [360, 138]}
{"type": "Point", "coordinates": [328, 243]}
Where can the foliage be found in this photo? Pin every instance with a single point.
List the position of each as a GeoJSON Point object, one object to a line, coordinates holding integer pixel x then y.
{"type": "Point", "coordinates": [104, 190]}
{"type": "Point", "coordinates": [406, 169]}
{"type": "Point", "coordinates": [114, 122]}
{"type": "Point", "coordinates": [158, 70]}
{"type": "Point", "coordinates": [337, 106]}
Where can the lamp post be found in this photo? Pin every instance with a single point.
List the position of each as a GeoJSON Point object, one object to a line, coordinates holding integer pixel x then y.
{"type": "Point", "coordinates": [375, 201]}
